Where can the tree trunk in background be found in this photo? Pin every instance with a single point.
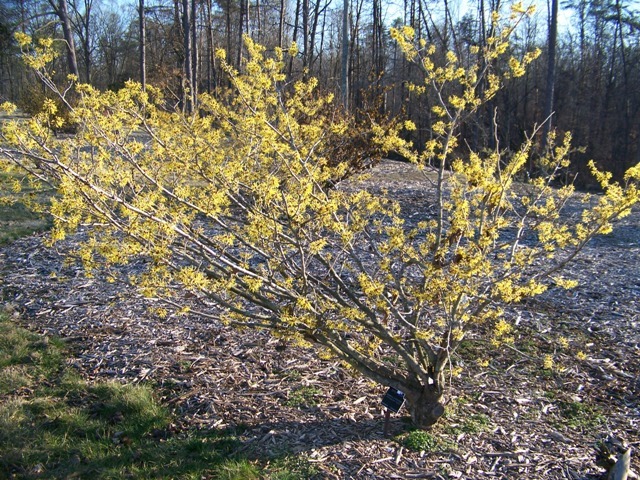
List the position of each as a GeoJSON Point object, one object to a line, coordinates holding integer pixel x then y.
{"type": "Point", "coordinates": [354, 74]}
{"type": "Point", "coordinates": [344, 71]}
{"type": "Point", "coordinates": [624, 152]}
{"type": "Point", "coordinates": [142, 45]}
{"type": "Point", "coordinates": [317, 11]}
{"type": "Point", "coordinates": [188, 71]}
{"type": "Point", "coordinates": [377, 41]}
{"type": "Point", "coordinates": [240, 31]}
{"type": "Point", "coordinates": [228, 26]}
{"type": "Point", "coordinates": [82, 21]}
{"type": "Point", "coordinates": [194, 54]}
{"type": "Point", "coordinates": [295, 33]}
{"type": "Point", "coordinates": [258, 29]}
{"type": "Point", "coordinates": [322, 33]}
{"type": "Point", "coordinates": [306, 41]}
{"type": "Point", "coordinates": [210, 52]}
{"type": "Point", "coordinates": [551, 72]}
{"type": "Point", "coordinates": [62, 11]}
{"type": "Point", "coordinates": [281, 23]}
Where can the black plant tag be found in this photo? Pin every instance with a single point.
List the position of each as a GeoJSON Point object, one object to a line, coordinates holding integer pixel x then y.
{"type": "Point", "coordinates": [393, 400]}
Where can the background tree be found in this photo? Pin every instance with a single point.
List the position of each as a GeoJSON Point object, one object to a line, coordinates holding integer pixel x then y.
{"type": "Point", "coordinates": [9, 21]}
{"type": "Point", "coordinates": [551, 70]}
{"type": "Point", "coordinates": [189, 87]}
{"type": "Point", "coordinates": [142, 43]}
{"type": "Point", "coordinates": [61, 9]}
{"type": "Point", "coordinates": [344, 55]}
{"type": "Point", "coordinates": [83, 22]}
{"type": "Point", "coordinates": [114, 62]}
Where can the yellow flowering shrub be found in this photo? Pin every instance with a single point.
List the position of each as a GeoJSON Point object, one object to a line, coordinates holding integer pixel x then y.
{"type": "Point", "coordinates": [236, 205]}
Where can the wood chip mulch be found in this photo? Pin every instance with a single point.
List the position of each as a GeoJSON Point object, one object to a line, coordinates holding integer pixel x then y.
{"type": "Point", "coordinates": [510, 419]}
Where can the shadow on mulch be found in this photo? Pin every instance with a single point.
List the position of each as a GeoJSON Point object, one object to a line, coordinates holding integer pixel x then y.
{"type": "Point", "coordinates": [267, 439]}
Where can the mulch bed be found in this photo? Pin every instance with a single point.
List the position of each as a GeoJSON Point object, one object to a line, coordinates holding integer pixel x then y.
{"type": "Point", "coordinates": [510, 419]}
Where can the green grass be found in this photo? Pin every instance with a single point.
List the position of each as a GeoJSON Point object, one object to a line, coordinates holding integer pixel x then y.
{"type": "Point", "coordinates": [580, 416]}
{"type": "Point", "coordinates": [54, 424]}
{"type": "Point", "coordinates": [304, 397]}
{"type": "Point", "coordinates": [476, 423]}
{"type": "Point", "coordinates": [16, 220]}
{"type": "Point", "coordinates": [419, 440]}
{"type": "Point", "coordinates": [291, 467]}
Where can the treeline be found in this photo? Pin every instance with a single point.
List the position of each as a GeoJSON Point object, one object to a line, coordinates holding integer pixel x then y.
{"type": "Point", "coordinates": [587, 79]}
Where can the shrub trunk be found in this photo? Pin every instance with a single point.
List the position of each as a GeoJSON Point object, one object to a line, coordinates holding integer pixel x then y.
{"type": "Point", "coordinates": [425, 405]}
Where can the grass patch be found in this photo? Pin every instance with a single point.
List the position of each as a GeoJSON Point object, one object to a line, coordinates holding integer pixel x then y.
{"type": "Point", "coordinates": [16, 220]}
{"type": "Point", "coordinates": [580, 416]}
{"type": "Point", "coordinates": [304, 397]}
{"type": "Point", "coordinates": [423, 441]}
{"type": "Point", "coordinates": [459, 420]}
{"type": "Point", "coordinates": [419, 440]}
{"type": "Point", "coordinates": [476, 423]}
{"type": "Point", "coordinates": [290, 467]}
{"type": "Point", "coordinates": [54, 424]}
{"type": "Point", "coordinates": [238, 470]}
{"type": "Point", "coordinates": [292, 375]}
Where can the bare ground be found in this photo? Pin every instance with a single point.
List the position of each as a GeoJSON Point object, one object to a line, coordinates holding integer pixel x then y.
{"type": "Point", "coordinates": [511, 419]}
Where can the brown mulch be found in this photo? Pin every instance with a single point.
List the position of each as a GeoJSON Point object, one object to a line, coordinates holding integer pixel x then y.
{"type": "Point", "coordinates": [511, 419]}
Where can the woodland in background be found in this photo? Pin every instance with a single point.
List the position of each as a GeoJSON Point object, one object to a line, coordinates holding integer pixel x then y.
{"type": "Point", "coordinates": [588, 73]}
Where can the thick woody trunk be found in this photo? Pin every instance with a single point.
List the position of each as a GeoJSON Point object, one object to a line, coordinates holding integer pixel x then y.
{"type": "Point", "coordinates": [425, 405]}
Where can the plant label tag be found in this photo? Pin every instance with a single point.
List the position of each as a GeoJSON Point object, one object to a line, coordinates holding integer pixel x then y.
{"type": "Point", "coordinates": [393, 400]}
